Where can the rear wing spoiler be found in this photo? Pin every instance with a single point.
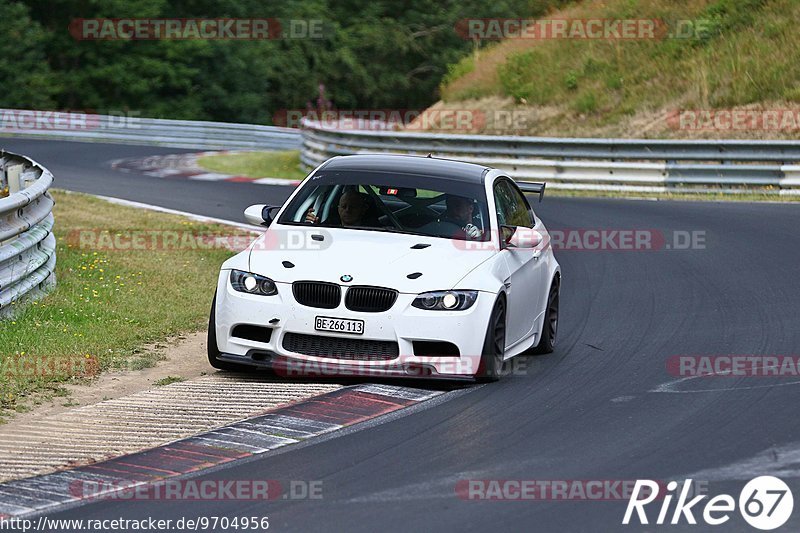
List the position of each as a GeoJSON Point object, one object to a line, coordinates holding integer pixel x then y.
{"type": "Point", "coordinates": [536, 188]}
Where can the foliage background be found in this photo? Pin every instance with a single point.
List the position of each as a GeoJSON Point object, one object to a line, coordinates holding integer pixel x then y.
{"type": "Point", "coordinates": [375, 54]}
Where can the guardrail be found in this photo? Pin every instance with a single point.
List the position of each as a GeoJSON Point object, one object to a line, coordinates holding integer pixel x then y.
{"type": "Point", "coordinates": [27, 244]}
{"type": "Point", "coordinates": [730, 167]}
{"type": "Point", "coordinates": [192, 134]}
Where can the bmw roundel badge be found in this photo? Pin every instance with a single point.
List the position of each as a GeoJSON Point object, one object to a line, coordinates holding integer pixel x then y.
{"type": "Point", "coordinates": [346, 278]}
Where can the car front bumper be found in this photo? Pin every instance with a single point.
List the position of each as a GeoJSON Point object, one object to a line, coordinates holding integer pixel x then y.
{"type": "Point", "coordinates": [402, 324]}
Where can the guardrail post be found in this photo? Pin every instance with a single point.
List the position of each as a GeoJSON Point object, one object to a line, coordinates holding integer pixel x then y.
{"type": "Point", "coordinates": [13, 175]}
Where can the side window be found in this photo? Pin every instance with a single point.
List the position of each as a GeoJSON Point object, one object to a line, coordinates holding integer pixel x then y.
{"type": "Point", "coordinates": [512, 208]}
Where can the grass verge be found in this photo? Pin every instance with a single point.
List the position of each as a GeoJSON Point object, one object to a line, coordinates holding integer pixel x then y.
{"type": "Point", "coordinates": [707, 54]}
{"type": "Point", "coordinates": [283, 164]}
{"type": "Point", "coordinates": [127, 278]}
{"type": "Point", "coordinates": [169, 380]}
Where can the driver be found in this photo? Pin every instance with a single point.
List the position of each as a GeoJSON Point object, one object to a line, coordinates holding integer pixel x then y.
{"type": "Point", "coordinates": [460, 211]}
{"type": "Point", "coordinates": [352, 208]}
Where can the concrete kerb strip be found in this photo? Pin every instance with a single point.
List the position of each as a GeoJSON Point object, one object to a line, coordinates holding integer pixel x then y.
{"type": "Point", "coordinates": [278, 427]}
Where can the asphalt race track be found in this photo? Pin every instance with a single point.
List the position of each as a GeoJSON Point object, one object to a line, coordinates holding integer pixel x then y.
{"type": "Point", "coordinates": [602, 407]}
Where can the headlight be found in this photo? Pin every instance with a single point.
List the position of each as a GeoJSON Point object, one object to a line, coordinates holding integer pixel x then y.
{"type": "Point", "coordinates": [252, 283]}
{"type": "Point", "coordinates": [445, 300]}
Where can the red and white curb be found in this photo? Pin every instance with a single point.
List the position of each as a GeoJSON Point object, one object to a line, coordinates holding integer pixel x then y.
{"type": "Point", "coordinates": [184, 166]}
{"type": "Point", "coordinates": [278, 427]}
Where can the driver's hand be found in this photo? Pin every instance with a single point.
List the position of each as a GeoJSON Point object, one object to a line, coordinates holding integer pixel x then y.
{"type": "Point", "coordinates": [311, 218]}
{"type": "Point", "coordinates": [473, 231]}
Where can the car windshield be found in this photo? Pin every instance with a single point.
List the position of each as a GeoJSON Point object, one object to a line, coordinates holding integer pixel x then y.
{"type": "Point", "coordinates": [392, 202]}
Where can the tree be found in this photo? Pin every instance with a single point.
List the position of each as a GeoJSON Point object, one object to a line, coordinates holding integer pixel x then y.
{"type": "Point", "coordinates": [25, 78]}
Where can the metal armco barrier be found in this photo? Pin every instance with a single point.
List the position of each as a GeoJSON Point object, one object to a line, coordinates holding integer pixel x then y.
{"type": "Point", "coordinates": [638, 165]}
{"type": "Point", "coordinates": [146, 131]}
{"type": "Point", "coordinates": [729, 167]}
{"type": "Point", "coordinates": [27, 244]}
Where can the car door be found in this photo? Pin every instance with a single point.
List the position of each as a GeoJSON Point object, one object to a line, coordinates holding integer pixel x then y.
{"type": "Point", "coordinates": [525, 285]}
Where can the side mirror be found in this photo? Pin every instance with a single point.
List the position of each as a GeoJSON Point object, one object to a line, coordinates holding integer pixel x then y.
{"type": "Point", "coordinates": [520, 237]}
{"type": "Point", "coordinates": [260, 214]}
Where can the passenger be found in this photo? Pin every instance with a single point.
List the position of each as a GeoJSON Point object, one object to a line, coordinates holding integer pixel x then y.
{"type": "Point", "coordinates": [352, 209]}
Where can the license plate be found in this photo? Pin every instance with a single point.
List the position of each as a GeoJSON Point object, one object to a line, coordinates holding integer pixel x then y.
{"type": "Point", "coordinates": [339, 325]}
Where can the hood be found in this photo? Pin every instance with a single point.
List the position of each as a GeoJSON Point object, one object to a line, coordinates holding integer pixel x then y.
{"type": "Point", "coordinates": [370, 257]}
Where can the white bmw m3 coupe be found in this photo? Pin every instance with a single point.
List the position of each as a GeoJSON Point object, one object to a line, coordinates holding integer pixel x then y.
{"type": "Point", "coordinates": [390, 265]}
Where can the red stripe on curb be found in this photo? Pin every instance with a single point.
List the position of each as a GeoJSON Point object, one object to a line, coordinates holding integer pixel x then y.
{"type": "Point", "coordinates": [156, 460]}
{"type": "Point", "coordinates": [361, 396]}
{"type": "Point", "coordinates": [128, 469]}
{"type": "Point", "coordinates": [224, 454]}
{"type": "Point", "coordinates": [104, 469]}
{"type": "Point", "coordinates": [199, 462]}
{"type": "Point", "coordinates": [346, 408]}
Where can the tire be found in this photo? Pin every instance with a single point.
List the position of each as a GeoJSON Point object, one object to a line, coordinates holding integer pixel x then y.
{"type": "Point", "coordinates": [547, 342]}
{"type": "Point", "coordinates": [213, 347]}
{"type": "Point", "coordinates": [494, 344]}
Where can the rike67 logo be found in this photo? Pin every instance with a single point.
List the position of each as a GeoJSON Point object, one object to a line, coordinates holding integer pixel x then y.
{"type": "Point", "coordinates": [765, 503]}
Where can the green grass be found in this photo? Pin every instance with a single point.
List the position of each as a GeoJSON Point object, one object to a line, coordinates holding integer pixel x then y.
{"type": "Point", "coordinates": [109, 304]}
{"type": "Point", "coordinates": [283, 164]}
{"type": "Point", "coordinates": [743, 53]}
{"type": "Point", "coordinates": [169, 380]}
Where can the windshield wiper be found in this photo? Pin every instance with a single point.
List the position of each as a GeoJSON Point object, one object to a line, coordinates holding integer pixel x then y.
{"type": "Point", "coordinates": [392, 229]}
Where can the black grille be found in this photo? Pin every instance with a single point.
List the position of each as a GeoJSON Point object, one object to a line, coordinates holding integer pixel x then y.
{"type": "Point", "coordinates": [317, 294]}
{"type": "Point", "coordinates": [341, 348]}
{"type": "Point", "coordinates": [369, 299]}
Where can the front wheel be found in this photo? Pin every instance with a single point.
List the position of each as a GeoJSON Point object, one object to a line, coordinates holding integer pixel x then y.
{"type": "Point", "coordinates": [494, 344]}
{"type": "Point", "coordinates": [547, 342]}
